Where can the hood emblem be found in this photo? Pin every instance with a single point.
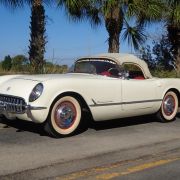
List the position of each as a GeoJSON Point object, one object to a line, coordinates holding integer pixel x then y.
{"type": "Point", "coordinates": [8, 88]}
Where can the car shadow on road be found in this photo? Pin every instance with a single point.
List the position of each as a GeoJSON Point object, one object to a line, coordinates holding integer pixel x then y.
{"type": "Point", "coordinates": [178, 115]}
{"type": "Point", "coordinates": [22, 126]}
{"type": "Point", "coordinates": [111, 124]}
{"type": "Point", "coordinates": [132, 121]}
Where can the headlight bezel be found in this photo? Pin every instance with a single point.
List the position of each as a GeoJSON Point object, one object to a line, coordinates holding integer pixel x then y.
{"type": "Point", "coordinates": [36, 92]}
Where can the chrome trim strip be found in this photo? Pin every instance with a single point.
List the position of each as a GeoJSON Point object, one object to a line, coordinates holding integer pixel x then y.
{"type": "Point", "coordinates": [29, 107]}
{"type": "Point", "coordinates": [25, 109]}
{"type": "Point", "coordinates": [94, 102]}
{"type": "Point", "coordinates": [109, 104]}
{"type": "Point", "coordinates": [145, 101]}
{"type": "Point", "coordinates": [123, 103]}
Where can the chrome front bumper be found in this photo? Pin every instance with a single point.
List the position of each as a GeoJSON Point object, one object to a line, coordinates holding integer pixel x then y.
{"type": "Point", "coordinates": [16, 105]}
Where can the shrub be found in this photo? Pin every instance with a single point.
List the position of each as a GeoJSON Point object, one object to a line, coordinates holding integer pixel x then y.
{"type": "Point", "coordinates": [7, 63]}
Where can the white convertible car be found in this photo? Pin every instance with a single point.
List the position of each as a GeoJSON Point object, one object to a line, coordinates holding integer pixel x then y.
{"type": "Point", "coordinates": [108, 86]}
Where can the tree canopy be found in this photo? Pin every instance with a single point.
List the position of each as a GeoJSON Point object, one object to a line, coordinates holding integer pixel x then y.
{"type": "Point", "coordinates": [116, 15]}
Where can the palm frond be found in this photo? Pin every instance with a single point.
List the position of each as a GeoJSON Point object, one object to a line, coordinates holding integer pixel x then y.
{"type": "Point", "coordinates": [81, 10]}
{"type": "Point", "coordinates": [74, 8]}
{"type": "Point", "coordinates": [145, 11]}
{"type": "Point", "coordinates": [135, 35]}
{"type": "Point", "coordinates": [12, 3]}
{"type": "Point", "coordinates": [21, 3]}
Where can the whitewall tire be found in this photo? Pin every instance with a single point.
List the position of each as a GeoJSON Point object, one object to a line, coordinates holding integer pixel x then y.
{"type": "Point", "coordinates": [169, 107]}
{"type": "Point", "coordinates": [65, 117]}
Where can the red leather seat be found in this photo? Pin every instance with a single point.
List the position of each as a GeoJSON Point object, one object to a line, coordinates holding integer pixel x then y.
{"type": "Point", "coordinates": [139, 77]}
{"type": "Point", "coordinates": [105, 73]}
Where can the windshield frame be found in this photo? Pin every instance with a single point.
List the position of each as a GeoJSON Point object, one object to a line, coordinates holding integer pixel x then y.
{"type": "Point", "coordinates": [94, 60]}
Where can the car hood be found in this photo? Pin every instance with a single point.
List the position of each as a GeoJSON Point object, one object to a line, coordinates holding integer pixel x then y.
{"type": "Point", "coordinates": [17, 87]}
{"type": "Point", "coordinates": [46, 77]}
{"type": "Point", "coordinates": [22, 85]}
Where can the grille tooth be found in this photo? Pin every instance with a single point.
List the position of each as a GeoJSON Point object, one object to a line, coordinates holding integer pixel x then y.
{"type": "Point", "coordinates": [20, 105]}
{"type": "Point", "coordinates": [13, 104]}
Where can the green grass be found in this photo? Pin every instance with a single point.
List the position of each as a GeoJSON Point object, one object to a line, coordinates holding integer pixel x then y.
{"type": "Point", "coordinates": [165, 74]}
{"type": "Point", "coordinates": [48, 69]}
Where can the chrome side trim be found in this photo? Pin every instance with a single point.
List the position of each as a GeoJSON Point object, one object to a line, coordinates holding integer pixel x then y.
{"type": "Point", "coordinates": [29, 107]}
{"type": "Point", "coordinates": [123, 103]}
{"type": "Point", "coordinates": [109, 104]}
{"type": "Point", "coordinates": [145, 101]}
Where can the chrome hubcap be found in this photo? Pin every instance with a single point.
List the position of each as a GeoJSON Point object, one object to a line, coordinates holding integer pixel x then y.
{"type": "Point", "coordinates": [169, 105]}
{"type": "Point", "coordinates": [65, 115]}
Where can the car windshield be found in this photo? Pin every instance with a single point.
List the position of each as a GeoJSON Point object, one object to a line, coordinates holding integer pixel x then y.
{"type": "Point", "coordinates": [95, 66]}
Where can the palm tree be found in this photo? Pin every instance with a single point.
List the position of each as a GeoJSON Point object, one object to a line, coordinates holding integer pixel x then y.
{"type": "Point", "coordinates": [115, 14]}
{"type": "Point", "coordinates": [38, 39]}
{"type": "Point", "coordinates": [37, 27]}
{"type": "Point", "coordinates": [173, 27]}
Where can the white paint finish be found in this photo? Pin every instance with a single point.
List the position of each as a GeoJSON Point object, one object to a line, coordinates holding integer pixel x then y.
{"type": "Point", "coordinates": [138, 90]}
{"type": "Point", "coordinates": [18, 87]}
{"type": "Point", "coordinates": [107, 94]}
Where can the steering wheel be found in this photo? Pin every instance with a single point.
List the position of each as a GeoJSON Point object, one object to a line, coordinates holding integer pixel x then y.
{"type": "Point", "coordinates": [114, 72]}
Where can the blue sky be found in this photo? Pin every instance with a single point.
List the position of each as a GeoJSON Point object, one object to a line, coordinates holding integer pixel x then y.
{"type": "Point", "coordinates": [66, 40]}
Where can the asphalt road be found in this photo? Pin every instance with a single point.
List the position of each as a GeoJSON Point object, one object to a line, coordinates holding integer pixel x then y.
{"type": "Point", "coordinates": [106, 150]}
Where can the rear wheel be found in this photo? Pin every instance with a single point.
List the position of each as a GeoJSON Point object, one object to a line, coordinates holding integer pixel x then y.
{"type": "Point", "coordinates": [169, 107]}
{"type": "Point", "coordinates": [64, 118]}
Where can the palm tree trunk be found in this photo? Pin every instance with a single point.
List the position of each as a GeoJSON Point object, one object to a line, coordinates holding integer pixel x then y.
{"type": "Point", "coordinates": [114, 24]}
{"type": "Point", "coordinates": [178, 52]}
{"type": "Point", "coordinates": [37, 41]}
{"type": "Point", "coordinates": [174, 37]}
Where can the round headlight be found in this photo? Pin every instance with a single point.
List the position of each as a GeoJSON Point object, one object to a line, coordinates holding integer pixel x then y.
{"type": "Point", "coordinates": [36, 92]}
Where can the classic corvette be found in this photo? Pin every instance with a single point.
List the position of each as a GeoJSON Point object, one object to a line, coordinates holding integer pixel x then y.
{"type": "Point", "coordinates": [108, 86]}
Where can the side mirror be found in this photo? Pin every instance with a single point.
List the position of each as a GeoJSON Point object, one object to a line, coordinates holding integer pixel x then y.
{"type": "Point", "coordinates": [124, 75]}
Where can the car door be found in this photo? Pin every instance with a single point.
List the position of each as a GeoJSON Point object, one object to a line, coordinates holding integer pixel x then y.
{"type": "Point", "coordinates": [137, 91]}
{"type": "Point", "coordinates": [106, 98]}
{"type": "Point", "coordinates": [108, 92]}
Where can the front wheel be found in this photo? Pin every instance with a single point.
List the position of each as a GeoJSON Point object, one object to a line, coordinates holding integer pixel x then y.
{"type": "Point", "coordinates": [64, 118]}
{"type": "Point", "coordinates": [169, 107]}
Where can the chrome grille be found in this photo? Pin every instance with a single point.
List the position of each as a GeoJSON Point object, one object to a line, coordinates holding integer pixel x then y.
{"type": "Point", "coordinates": [12, 104]}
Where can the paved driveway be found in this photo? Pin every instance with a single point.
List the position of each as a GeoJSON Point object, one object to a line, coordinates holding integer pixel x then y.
{"type": "Point", "coordinates": [25, 148]}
